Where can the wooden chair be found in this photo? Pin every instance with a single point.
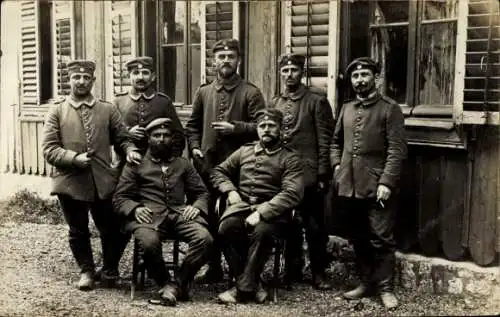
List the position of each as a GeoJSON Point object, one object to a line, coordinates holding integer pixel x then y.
{"type": "Point", "coordinates": [276, 253]}
{"type": "Point", "coordinates": [139, 267]}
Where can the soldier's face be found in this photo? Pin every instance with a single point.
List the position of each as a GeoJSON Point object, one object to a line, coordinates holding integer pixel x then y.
{"type": "Point", "coordinates": [142, 78]}
{"type": "Point", "coordinates": [81, 84]}
{"type": "Point", "coordinates": [363, 81]}
{"type": "Point", "coordinates": [160, 141]}
{"type": "Point", "coordinates": [226, 62]}
{"type": "Point", "coordinates": [268, 131]}
{"type": "Point", "coordinates": [291, 75]}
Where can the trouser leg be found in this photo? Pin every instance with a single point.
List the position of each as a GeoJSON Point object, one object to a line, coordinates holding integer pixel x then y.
{"type": "Point", "coordinates": [76, 216]}
{"type": "Point", "coordinates": [113, 239]}
{"type": "Point", "coordinates": [294, 255]}
{"type": "Point", "coordinates": [234, 237]}
{"type": "Point", "coordinates": [261, 243]}
{"type": "Point", "coordinates": [150, 242]}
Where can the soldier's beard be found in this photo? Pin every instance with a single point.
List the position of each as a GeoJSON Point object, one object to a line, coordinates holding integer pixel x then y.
{"type": "Point", "coordinates": [161, 150]}
{"type": "Point", "coordinates": [269, 141]}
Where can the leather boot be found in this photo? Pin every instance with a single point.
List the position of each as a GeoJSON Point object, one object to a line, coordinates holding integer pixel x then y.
{"type": "Point", "coordinates": [261, 294]}
{"type": "Point", "coordinates": [169, 294]}
{"type": "Point", "coordinates": [229, 297]}
{"type": "Point", "coordinates": [86, 282]}
{"type": "Point", "coordinates": [389, 300]}
{"type": "Point", "coordinates": [321, 283]}
{"type": "Point", "coordinates": [357, 293]}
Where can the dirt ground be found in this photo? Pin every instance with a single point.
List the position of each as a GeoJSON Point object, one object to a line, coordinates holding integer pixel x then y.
{"type": "Point", "coordinates": [37, 274]}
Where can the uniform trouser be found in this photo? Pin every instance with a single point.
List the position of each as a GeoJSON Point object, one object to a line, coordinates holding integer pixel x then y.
{"type": "Point", "coordinates": [113, 240]}
{"type": "Point", "coordinates": [247, 248]}
{"type": "Point", "coordinates": [311, 212]}
{"type": "Point", "coordinates": [370, 230]}
{"type": "Point", "coordinates": [195, 234]}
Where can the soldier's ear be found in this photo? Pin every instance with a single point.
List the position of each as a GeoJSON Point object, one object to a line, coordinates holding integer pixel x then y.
{"type": "Point", "coordinates": [153, 76]}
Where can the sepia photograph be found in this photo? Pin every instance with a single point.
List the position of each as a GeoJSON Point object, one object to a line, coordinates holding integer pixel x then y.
{"type": "Point", "coordinates": [249, 158]}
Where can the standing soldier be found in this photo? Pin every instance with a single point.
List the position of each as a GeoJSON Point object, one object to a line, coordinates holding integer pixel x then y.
{"type": "Point", "coordinates": [142, 104]}
{"type": "Point", "coordinates": [79, 132]}
{"type": "Point", "coordinates": [367, 153]}
{"type": "Point", "coordinates": [307, 128]}
{"type": "Point", "coordinates": [223, 119]}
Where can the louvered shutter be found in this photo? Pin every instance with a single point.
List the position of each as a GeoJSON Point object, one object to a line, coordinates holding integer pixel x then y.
{"type": "Point", "coordinates": [220, 21]}
{"type": "Point", "coordinates": [121, 43]}
{"type": "Point", "coordinates": [30, 59]}
{"type": "Point", "coordinates": [482, 63]}
{"type": "Point", "coordinates": [308, 34]}
{"type": "Point", "coordinates": [63, 44]}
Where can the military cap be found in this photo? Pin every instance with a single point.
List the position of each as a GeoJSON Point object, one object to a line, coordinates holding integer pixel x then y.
{"type": "Point", "coordinates": [140, 62]}
{"type": "Point", "coordinates": [292, 59]}
{"type": "Point", "coordinates": [158, 123]}
{"type": "Point", "coordinates": [363, 63]}
{"type": "Point", "coordinates": [81, 66]}
{"type": "Point", "coordinates": [228, 44]}
{"type": "Point", "coordinates": [269, 114]}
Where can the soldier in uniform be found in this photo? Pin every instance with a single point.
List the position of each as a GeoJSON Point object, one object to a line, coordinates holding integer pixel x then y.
{"type": "Point", "coordinates": [263, 182]}
{"type": "Point", "coordinates": [223, 119]}
{"type": "Point", "coordinates": [78, 134]}
{"type": "Point", "coordinates": [142, 104]}
{"type": "Point", "coordinates": [308, 129]}
{"type": "Point", "coordinates": [368, 149]}
{"type": "Point", "coordinates": [151, 196]}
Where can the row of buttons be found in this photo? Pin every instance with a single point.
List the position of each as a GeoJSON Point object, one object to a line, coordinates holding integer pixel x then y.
{"type": "Point", "coordinates": [357, 128]}
{"type": "Point", "coordinates": [86, 125]}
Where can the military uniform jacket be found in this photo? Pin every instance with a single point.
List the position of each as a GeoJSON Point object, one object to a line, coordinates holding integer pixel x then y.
{"type": "Point", "coordinates": [164, 187]}
{"type": "Point", "coordinates": [235, 101]}
{"type": "Point", "coordinates": [307, 128]}
{"type": "Point", "coordinates": [141, 109]}
{"type": "Point", "coordinates": [272, 180]}
{"type": "Point", "coordinates": [72, 128]}
{"type": "Point", "coordinates": [369, 144]}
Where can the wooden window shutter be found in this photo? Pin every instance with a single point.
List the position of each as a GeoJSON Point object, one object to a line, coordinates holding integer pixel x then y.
{"type": "Point", "coordinates": [30, 59]}
{"type": "Point", "coordinates": [220, 20]}
{"type": "Point", "coordinates": [481, 100]}
{"type": "Point", "coordinates": [121, 43]}
{"type": "Point", "coordinates": [63, 44]}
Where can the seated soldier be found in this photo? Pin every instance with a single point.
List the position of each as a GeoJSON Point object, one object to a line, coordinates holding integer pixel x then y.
{"type": "Point", "coordinates": [267, 186]}
{"type": "Point", "coordinates": [151, 196]}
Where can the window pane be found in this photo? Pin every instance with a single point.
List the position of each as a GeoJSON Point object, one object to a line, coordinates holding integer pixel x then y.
{"type": "Point", "coordinates": [195, 69]}
{"type": "Point", "coordinates": [174, 17]}
{"type": "Point", "coordinates": [390, 49]}
{"type": "Point", "coordinates": [390, 11]}
{"type": "Point", "coordinates": [443, 9]}
{"type": "Point", "coordinates": [174, 70]}
{"type": "Point", "coordinates": [195, 22]}
{"type": "Point", "coordinates": [437, 63]}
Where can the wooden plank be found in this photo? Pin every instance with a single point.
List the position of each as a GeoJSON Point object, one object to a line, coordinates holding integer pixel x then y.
{"type": "Point", "coordinates": [453, 196]}
{"type": "Point", "coordinates": [39, 137]}
{"type": "Point", "coordinates": [429, 165]}
{"type": "Point", "coordinates": [483, 222]}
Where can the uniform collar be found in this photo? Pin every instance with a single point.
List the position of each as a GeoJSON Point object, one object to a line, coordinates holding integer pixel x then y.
{"type": "Point", "coordinates": [258, 148]}
{"type": "Point", "coordinates": [148, 94]}
{"type": "Point", "coordinates": [295, 95]}
{"type": "Point", "coordinates": [228, 84]}
{"type": "Point", "coordinates": [89, 101]}
{"type": "Point", "coordinates": [370, 100]}
{"type": "Point", "coordinates": [157, 160]}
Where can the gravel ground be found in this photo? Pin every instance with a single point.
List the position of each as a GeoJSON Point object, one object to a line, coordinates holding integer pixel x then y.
{"type": "Point", "coordinates": [38, 273]}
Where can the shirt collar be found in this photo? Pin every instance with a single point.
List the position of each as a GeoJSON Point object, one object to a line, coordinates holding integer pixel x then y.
{"type": "Point", "coordinates": [228, 84]}
{"type": "Point", "coordinates": [148, 94]}
{"type": "Point", "coordinates": [89, 101]}
{"type": "Point", "coordinates": [259, 149]}
{"type": "Point", "coordinates": [370, 100]}
{"type": "Point", "coordinates": [295, 95]}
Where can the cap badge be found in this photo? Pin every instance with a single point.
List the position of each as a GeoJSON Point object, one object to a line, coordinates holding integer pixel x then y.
{"type": "Point", "coordinates": [359, 66]}
{"type": "Point", "coordinates": [266, 117]}
{"type": "Point", "coordinates": [226, 47]}
{"type": "Point", "coordinates": [139, 66]}
{"type": "Point", "coordinates": [289, 63]}
{"type": "Point", "coordinates": [82, 69]}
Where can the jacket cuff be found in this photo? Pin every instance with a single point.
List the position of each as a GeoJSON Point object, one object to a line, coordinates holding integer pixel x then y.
{"type": "Point", "coordinates": [226, 187]}
{"type": "Point", "coordinates": [201, 206]}
{"type": "Point", "coordinates": [194, 144]}
{"type": "Point", "coordinates": [384, 180]}
{"type": "Point", "coordinates": [239, 127]}
{"type": "Point", "coordinates": [68, 157]}
{"type": "Point", "coordinates": [264, 210]}
{"type": "Point", "coordinates": [129, 207]}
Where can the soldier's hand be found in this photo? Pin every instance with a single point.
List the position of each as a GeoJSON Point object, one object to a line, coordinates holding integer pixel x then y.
{"type": "Point", "coordinates": [383, 192]}
{"type": "Point", "coordinates": [233, 198]}
{"type": "Point", "coordinates": [190, 212]}
{"type": "Point", "coordinates": [223, 127]}
{"type": "Point", "coordinates": [253, 219]}
{"type": "Point", "coordinates": [134, 157]}
{"type": "Point", "coordinates": [82, 160]}
{"type": "Point", "coordinates": [197, 153]}
{"type": "Point", "coordinates": [137, 132]}
{"type": "Point", "coordinates": [143, 215]}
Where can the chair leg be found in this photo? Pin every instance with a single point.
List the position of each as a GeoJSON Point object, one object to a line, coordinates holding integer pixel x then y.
{"type": "Point", "coordinates": [176, 256]}
{"type": "Point", "coordinates": [276, 273]}
{"type": "Point", "coordinates": [135, 270]}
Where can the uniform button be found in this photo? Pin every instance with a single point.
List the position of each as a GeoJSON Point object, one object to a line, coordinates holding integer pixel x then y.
{"type": "Point", "coordinates": [257, 165]}
{"type": "Point", "coordinates": [358, 119]}
{"type": "Point", "coordinates": [285, 141]}
{"type": "Point", "coordinates": [354, 155]}
{"type": "Point", "coordinates": [286, 128]}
